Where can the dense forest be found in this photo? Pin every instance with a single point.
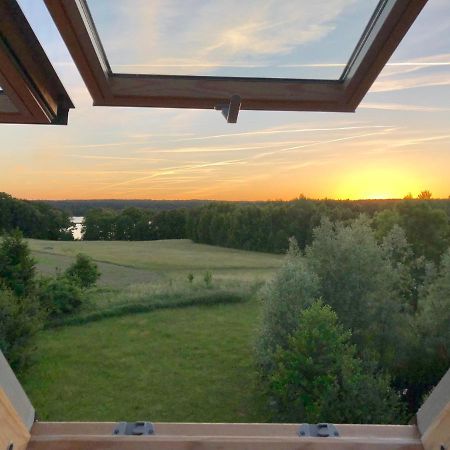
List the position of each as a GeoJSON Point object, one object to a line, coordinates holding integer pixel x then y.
{"type": "Point", "coordinates": [34, 219]}
{"type": "Point", "coordinates": [267, 227]}
{"type": "Point", "coordinates": [81, 207]}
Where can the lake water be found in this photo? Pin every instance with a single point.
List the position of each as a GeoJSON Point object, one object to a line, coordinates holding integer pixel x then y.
{"type": "Point", "coordinates": [76, 233]}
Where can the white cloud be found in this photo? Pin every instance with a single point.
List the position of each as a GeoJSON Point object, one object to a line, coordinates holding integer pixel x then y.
{"type": "Point", "coordinates": [401, 107]}
{"type": "Point", "coordinates": [385, 84]}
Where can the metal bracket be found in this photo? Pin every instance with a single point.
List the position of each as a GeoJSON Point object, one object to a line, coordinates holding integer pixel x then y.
{"type": "Point", "coordinates": [134, 428]}
{"type": "Point", "coordinates": [318, 430]}
{"type": "Point", "coordinates": [231, 110]}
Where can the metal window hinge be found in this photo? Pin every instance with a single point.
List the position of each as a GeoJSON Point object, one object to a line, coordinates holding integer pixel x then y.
{"type": "Point", "coordinates": [231, 110]}
{"type": "Point", "coordinates": [134, 428]}
{"type": "Point", "coordinates": [318, 430]}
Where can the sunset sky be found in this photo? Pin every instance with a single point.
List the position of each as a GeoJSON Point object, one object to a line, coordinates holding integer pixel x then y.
{"type": "Point", "coordinates": [397, 142]}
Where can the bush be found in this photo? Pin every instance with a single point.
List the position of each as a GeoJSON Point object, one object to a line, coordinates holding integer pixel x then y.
{"type": "Point", "coordinates": [293, 288]}
{"type": "Point", "coordinates": [60, 296]}
{"type": "Point", "coordinates": [207, 278]}
{"type": "Point", "coordinates": [190, 277]}
{"type": "Point", "coordinates": [319, 378]}
{"type": "Point", "coordinates": [20, 319]}
{"type": "Point", "coordinates": [16, 265]}
{"type": "Point", "coordinates": [84, 271]}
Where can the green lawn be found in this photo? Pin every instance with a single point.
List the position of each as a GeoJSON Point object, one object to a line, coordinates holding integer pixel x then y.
{"type": "Point", "coordinates": [191, 364]}
{"type": "Point", "coordinates": [175, 364]}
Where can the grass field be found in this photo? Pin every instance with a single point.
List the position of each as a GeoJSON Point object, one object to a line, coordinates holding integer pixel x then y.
{"type": "Point", "coordinates": [190, 364]}
{"type": "Point", "coordinates": [173, 364]}
{"type": "Point", "coordinates": [176, 254]}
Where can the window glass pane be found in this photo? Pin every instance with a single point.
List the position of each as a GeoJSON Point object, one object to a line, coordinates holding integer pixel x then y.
{"type": "Point", "coordinates": [262, 38]}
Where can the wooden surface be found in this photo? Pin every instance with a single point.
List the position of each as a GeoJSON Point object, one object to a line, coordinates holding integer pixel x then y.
{"type": "Point", "coordinates": [177, 436]}
{"type": "Point", "coordinates": [15, 393]}
{"type": "Point", "coordinates": [433, 418]}
{"type": "Point", "coordinates": [6, 105]}
{"type": "Point", "coordinates": [437, 437]}
{"type": "Point", "coordinates": [380, 40]}
{"type": "Point", "coordinates": [12, 429]}
{"type": "Point", "coordinates": [85, 48]}
{"type": "Point", "coordinates": [26, 74]}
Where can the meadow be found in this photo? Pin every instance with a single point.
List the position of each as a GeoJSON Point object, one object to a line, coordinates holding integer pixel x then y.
{"type": "Point", "coordinates": [151, 345]}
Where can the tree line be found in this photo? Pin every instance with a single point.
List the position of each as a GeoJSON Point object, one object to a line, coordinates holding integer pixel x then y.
{"type": "Point", "coordinates": [134, 224]}
{"type": "Point", "coordinates": [267, 227]}
{"type": "Point", "coordinates": [34, 219]}
{"type": "Point", "coordinates": [81, 207]}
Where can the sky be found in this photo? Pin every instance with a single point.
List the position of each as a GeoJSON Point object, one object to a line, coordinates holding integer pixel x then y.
{"type": "Point", "coordinates": [397, 142]}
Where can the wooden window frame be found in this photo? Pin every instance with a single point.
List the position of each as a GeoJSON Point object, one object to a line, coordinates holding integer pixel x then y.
{"type": "Point", "coordinates": [388, 25]}
{"type": "Point", "coordinates": [32, 91]}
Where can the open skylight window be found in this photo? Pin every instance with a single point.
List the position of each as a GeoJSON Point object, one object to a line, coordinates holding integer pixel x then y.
{"type": "Point", "coordinates": [210, 60]}
{"type": "Point", "coordinates": [252, 38]}
{"type": "Point", "coordinates": [31, 91]}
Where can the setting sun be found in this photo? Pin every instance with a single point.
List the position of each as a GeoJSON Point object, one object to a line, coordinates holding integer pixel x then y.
{"type": "Point", "coordinates": [376, 183]}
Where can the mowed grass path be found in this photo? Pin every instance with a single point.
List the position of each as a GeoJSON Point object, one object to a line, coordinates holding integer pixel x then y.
{"type": "Point", "coordinates": [192, 364]}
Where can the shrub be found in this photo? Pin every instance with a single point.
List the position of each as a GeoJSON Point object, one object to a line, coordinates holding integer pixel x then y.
{"type": "Point", "coordinates": [84, 271]}
{"type": "Point", "coordinates": [207, 278]}
{"type": "Point", "coordinates": [16, 265]}
{"type": "Point", "coordinates": [60, 296]}
{"type": "Point", "coordinates": [293, 288]}
{"type": "Point", "coordinates": [20, 319]}
{"type": "Point", "coordinates": [190, 277]}
{"type": "Point", "coordinates": [319, 378]}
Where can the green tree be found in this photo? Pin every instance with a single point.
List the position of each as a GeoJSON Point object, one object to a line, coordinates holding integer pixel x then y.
{"type": "Point", "coordinates": [384, 221]}
{"type": "Point", "coordinates": [20, 320]}
{"type": "Point", "coordinates": [319, 378]}
{"type": "Point", "coordinates": [34, 219]}
{"type": "Point", "coordinates": [427, 229]}
{"type": "Point", "coordinates": [357, 281]}
{"type": "Point", "coordinates": [427, 356]}
{"type": "Point", "coordinates": [17, 267]}
{"type": "Point", "coordinates": [292, 289]}
{"type": "Point", "coordinates": [84, 271]}
{"type": "Point", "coordinates": [400, 255]}
{"type": "Point", "coordinates": [99, 225]}
{"type": "Point", "coordinates": [433, 322]}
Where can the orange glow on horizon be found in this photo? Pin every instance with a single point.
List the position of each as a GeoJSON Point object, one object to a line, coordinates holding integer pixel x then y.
{"type": "Point", "coordinates": [342, 180]}
{"type": "Point", "coordinates": [377, 183]}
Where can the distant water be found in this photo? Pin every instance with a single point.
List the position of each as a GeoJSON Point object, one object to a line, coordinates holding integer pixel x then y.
{"type": "Point", "coordinates": [76, 233]}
